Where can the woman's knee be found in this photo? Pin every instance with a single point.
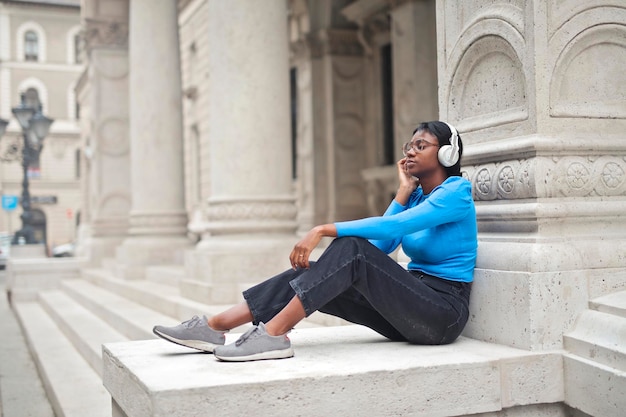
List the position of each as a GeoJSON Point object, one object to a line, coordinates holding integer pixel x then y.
{"type": "Point", "coordinates": [351, 244]}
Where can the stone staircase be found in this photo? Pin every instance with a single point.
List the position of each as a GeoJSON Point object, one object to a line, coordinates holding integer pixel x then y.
{"type": "Point", "coordinates": [346, 370]}
{"type": "Point", "coordinates": [595, 358]}
{"type": "Point", "coordinates": [66, 326]}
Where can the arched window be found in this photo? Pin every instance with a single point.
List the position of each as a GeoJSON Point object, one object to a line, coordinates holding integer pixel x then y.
{"type": "Point", "coordinates": [31, 46]}
{"type": "Point", "coordinates": [75, 44]}
{"type": "Point", "coordinates": [31, 97]}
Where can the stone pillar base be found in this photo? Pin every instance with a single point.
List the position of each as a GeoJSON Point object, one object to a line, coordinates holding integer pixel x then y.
{"type": "Point", "coordinates": [529, 293]}
{"type": "Point", "coordinates": [221, 266]}
{"type": "Point", "coordinates": [97, 249]}
{"type": "Point", "coordinates": [136, 253]}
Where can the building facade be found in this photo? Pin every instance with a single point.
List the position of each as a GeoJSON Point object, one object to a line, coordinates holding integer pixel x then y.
{"type": "Point", "coordinates": [40, 56]}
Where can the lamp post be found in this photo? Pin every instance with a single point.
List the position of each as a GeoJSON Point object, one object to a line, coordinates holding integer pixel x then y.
{"type": "Point", "coordinates": [35, 127]}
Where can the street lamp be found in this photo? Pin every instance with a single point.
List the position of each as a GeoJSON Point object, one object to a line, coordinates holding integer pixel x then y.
{"type": "Point", "coordinates": [35, 127]}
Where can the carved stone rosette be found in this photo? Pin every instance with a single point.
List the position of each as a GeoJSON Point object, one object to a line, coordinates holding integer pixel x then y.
{"type": "Point", "coordinates": [105, 33]}
{"type": "Point", "coordinates": [568, 176]}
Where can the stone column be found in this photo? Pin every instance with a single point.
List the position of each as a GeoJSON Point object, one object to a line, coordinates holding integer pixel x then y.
{"type": "Point", "coordinates": [543, 124]}
{"type": "Point", "coordinates": [251, 211]}
{"type": "Point", "coordinates": [103, 96]}
{"type": "Point", "coordinates": [413, 36]}
{"type": "Point", "coordinates": [158, 219]}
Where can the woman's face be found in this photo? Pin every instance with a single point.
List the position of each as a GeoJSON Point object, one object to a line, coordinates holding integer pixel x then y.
{"type": "Point", "coordinates": [421, 158]}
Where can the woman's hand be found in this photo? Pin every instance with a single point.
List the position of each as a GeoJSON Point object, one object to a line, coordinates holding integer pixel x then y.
{"type": "Point", "coordinates": [408, 183]}
{"type": "Point", "coordinates": [301, 252]}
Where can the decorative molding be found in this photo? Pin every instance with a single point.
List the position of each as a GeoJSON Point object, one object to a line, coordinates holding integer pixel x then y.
{"type": "Point", "coordinates": [71, 46]}
{"type": "Point", "coordinates": [100, 33]}
{"type": "Point", "coordinates": [568, 176]}
{"type": "Point", "coordinates": [113, 204]}
{"type": "Point", "coordinates": [253, 209]}
{"type": "Point", "coordinates": [335, 42]}
{"type": "Point", "coordinates": [158, 223]}
{"type": "Point", "coordinates": [577, 88]}
{"type": "Point", "coordinates": [489, 86]}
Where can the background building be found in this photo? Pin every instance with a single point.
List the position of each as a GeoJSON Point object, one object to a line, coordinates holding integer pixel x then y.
{"type": "Point", "coordinates": [40, 55]}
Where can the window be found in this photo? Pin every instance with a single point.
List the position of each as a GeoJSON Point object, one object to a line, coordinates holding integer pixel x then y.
{"type": "Point", "coordinates": [31, 98]}
{"type": "Point", "coordinates": [31, 46]}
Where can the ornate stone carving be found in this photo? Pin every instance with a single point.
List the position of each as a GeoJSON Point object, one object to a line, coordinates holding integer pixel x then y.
{"type": "Point", "coordinates": [568, 176]}
{"type": "Point", "coordinates": [105, 33]}
{"type": "Point", "coordinates": [489, 86]}
{"type": "Point", "coordinates": [252, 210]}
{"type": "Point", "coordinates": [578, 88]}
{"type": "Point", "coordinates": [590, 176]}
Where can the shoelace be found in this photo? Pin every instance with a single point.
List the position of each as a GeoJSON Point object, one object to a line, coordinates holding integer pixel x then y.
{"type": "Point", "coordinates": [246, 336]}
{"type": "Point", "coordinates": [191, 322]}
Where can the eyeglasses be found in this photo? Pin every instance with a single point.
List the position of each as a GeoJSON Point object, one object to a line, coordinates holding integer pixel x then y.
{"type": "Point", "coordinates": [417, 146]}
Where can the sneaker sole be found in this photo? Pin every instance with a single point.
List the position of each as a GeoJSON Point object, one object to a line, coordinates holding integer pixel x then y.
{"type": "Point", "coordinates": [193, 344]}
{"type": "Point", "coordinates": [272, 354]}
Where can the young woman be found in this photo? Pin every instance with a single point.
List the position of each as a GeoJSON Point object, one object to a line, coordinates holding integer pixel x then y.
{"type": "Point", "coordinates": [432, 216]}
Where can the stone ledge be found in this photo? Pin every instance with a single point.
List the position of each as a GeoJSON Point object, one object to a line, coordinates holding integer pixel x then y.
{"type": "Point", "coordinates": [347, 370]}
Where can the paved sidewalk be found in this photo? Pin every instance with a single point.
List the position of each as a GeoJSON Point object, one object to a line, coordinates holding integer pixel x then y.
{"type": "Point", "coordinates": [21, 390]}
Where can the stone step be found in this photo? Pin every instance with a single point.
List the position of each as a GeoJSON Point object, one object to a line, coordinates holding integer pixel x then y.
{"type": "Point", "coordinates": [73, 387]}
{"type": "Point", "coordinates": [167, 300]}
{"type": "Point", "coordinates": [129, 318]}
{"type": "Point", "coordinates": [593, 388]}
{"type": "Point", "coordinates": [162, 298]}
{"type": "Point", "coordinates": [166, 274]}
{"type": "Point", "coordinates": [614, 303]}
{"type": "Point", "coordinates": [21, 390]}
{"type": "Point", "coordinates": [599, 337]}
{"type": "Point", "coordinates": [82, 328]}
{"type": "Point", "coordinates": [346, 370]}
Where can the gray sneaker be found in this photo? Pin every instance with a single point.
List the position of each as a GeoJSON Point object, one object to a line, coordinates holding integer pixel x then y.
{"type": "Point", "coordinates": [254, 345]}
{"type": "Point", "coordinates": [194, 333]}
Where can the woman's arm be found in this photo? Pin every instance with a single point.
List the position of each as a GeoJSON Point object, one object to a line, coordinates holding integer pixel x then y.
{"type": "Point", "coordinates": [299, 256]}
{"type": "Point", "coordinates": [408, 183]}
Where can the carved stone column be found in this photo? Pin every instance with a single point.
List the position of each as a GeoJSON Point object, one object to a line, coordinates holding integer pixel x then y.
{"type": "Point", "coordinates": [103, 96]}
{"type": "Point", "coordinates": [250, 211]}
{"type": "Point", "coordinates": [158, 220]}
{"type": "Point", "coordinates": [543, 126]}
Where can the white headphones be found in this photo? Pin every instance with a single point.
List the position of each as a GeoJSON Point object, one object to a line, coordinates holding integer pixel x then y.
{"type": "Point", "coordinates": [449, 154]}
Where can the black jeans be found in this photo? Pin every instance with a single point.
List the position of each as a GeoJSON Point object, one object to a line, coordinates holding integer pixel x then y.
{"type": "Point", "coordinates": [356, 281]}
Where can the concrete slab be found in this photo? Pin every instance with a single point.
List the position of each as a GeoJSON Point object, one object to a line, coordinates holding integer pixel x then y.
{"type": "Point", "coordinates": [347, 370]}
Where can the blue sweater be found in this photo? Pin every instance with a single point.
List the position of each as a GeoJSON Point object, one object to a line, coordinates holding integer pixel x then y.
{"type": "Point", "coordinates": [437, 231]}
